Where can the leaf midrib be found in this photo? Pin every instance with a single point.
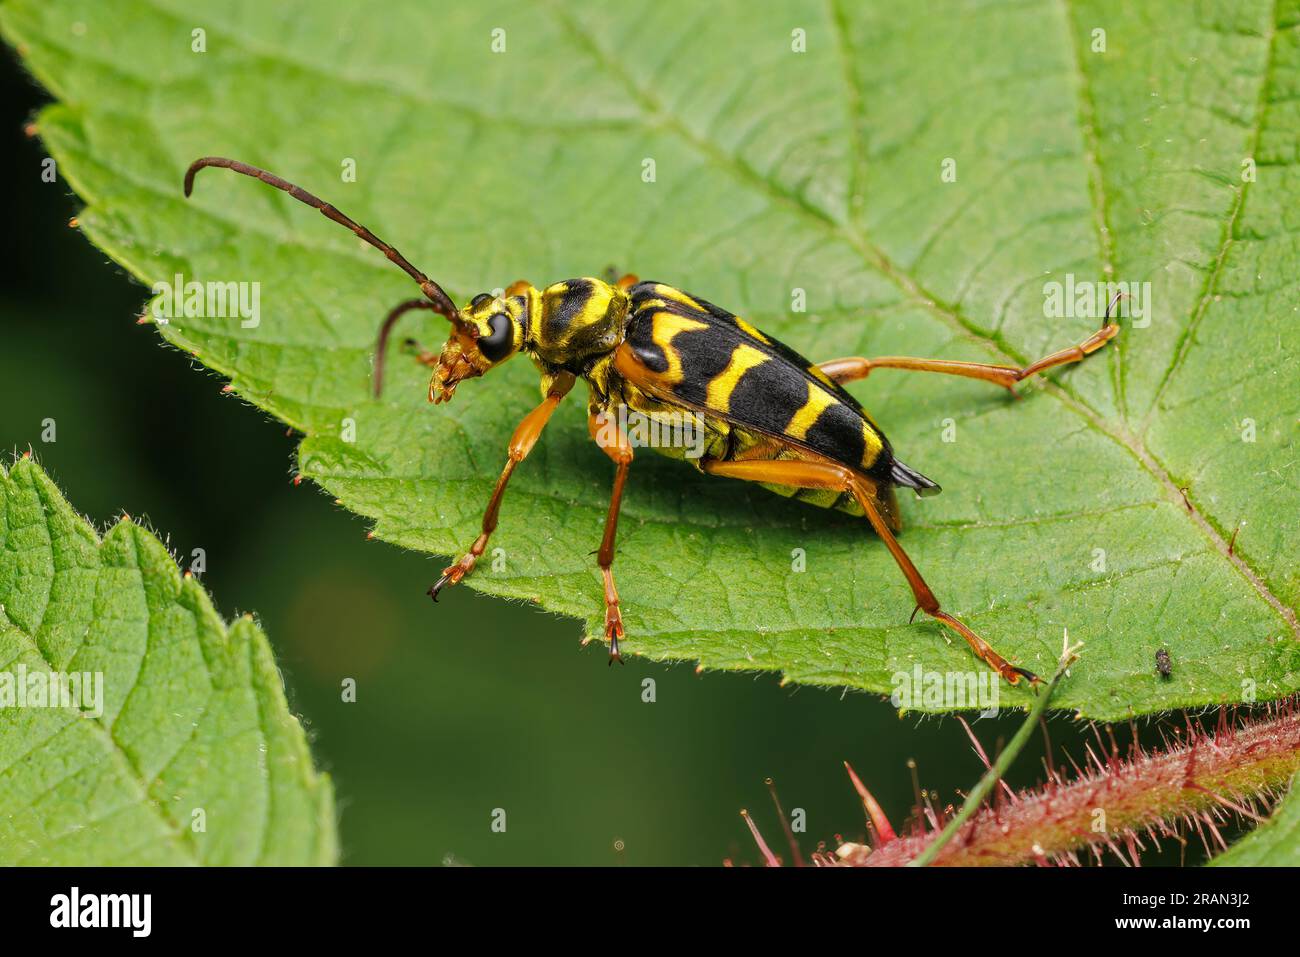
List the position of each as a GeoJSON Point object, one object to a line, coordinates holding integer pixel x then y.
{"type": "Point", "coordinates": [1087, 110]}
{"type": "Point", "coordinates": [1211, 284]}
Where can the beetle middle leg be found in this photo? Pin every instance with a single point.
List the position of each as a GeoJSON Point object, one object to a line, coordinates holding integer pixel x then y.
{"type": "Point", "coordinates": [624, 281]}
{"type": "Point", "coordinates": [613, 441]}
{"type": "Point", "coordinates": [829, 475]}
{"type": "Point", "coordinates": [856, 367]}
{"type": "Point", "coordinates": [521, 443]}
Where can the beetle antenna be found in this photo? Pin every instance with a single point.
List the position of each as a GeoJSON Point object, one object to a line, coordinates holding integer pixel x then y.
{"type": "Point", "coordinates": [386, 328]}
{"type": "Point", "coordinates": [439, 300]}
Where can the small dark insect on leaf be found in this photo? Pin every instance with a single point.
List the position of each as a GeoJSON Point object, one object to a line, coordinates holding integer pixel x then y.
{"type": "Point", "coordinates": [1163, 664]}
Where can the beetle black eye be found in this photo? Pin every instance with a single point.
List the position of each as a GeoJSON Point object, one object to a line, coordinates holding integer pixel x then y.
{"type": "Point", "coordinates": [495, 346]}
{"type": "Point", "coordinates": [479, 300]}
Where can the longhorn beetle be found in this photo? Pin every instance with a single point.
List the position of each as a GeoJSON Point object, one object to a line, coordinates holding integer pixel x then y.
{"type": "Point", "coordinates": [770, 415]}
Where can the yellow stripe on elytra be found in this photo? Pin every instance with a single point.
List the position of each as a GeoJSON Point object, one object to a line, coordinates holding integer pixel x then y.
{"type": "Point", "coordinates": [676, 295]}
{"type": "Point", "coordinates": [750, 330]}
{"type": "Point", "coordinates": [819, 400]}
{"type": "Point", "coordinates": [819, 375]}
{"type": "Point", "coordinates": [666, 326]}
{"type": "Point", "coordinates": [670, 293]}
{"type": "Point", "coordinates": [871, 445]}
{"type": "Point", "coordinates": [743, 358]}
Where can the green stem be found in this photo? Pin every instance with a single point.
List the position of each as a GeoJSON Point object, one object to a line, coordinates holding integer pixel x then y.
{"type": "Point", "coordinates": [986, 784]}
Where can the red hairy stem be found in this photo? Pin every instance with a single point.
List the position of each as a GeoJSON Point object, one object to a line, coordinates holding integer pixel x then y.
{"type": "Point", "coordinates": [1118, 797]}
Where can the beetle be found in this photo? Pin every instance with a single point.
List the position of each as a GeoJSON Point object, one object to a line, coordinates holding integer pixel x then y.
{"type": "Point", "coordinates": [770, 415]}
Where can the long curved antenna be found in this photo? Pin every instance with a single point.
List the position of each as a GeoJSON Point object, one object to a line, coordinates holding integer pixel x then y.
{"type": "Point", "coordinates": [387, 327]}
{"type": "Point", "coordinates": [439, 301]}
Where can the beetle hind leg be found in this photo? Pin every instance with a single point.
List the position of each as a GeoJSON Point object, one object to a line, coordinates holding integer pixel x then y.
{"type": "Point", "coordinates": [816, 474]}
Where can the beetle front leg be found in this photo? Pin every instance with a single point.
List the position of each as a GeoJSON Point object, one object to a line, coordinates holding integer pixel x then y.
{"type": "Point", "coordinates": [613, 441]}
{"type": "Point", "coordinates": [521, 443]}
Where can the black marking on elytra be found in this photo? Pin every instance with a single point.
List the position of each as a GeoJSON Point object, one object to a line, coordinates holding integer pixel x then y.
{"type": "Point", "coordinates": [771, 393]}
{"type": "Point", "coordinates": [837, 433]}
{"type": "Point", "coordinates": [768, 395]}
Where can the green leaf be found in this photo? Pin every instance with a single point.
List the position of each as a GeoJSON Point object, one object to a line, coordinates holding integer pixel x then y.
{"type": "Point", "coordinates": [775, 171]}
{"type": "Point", "coordinates": [1274, 843]}
{"type": "Point", "coordinates": [180, 748]}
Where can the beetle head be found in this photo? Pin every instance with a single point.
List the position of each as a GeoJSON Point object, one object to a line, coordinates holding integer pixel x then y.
{"type": "Point", "coordinates": [484, 334]}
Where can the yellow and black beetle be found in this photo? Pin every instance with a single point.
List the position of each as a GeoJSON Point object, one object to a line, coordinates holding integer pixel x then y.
{"type": "Point", "coordinates": [770, 415]}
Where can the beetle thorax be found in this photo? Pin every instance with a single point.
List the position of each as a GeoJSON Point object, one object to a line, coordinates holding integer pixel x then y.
{"type": "Point", "coordinates": [576, 321]}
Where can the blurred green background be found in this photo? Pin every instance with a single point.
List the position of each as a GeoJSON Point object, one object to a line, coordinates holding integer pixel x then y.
{"type": "Point", "coordinates": [462, 708]}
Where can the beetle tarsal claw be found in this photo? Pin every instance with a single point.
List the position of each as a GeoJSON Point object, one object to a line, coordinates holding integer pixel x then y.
{"type": "Point", "coordinates": [452, 574]}
{"type": "Point", "coordinates": [613, 632]}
